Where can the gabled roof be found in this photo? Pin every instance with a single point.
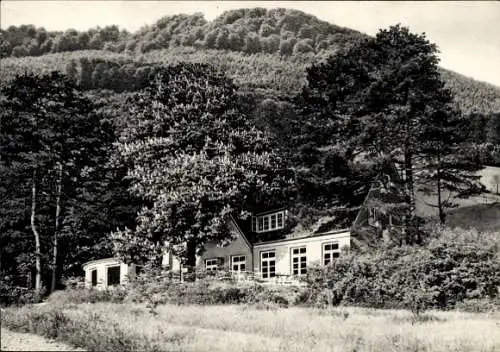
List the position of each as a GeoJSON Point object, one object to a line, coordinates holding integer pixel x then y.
{"type": "Point", "coordinates": [389, 169]}
{"type": "Point", "coordinates": [241, 233]}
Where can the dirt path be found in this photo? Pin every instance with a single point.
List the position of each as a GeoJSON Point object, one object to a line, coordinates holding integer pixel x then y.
{"type": "Point", "coordinates": [15, 341]}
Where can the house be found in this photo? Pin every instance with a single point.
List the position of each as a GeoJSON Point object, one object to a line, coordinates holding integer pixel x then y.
{"type": "Point", "coordinates": [266, 260]}
{"type": "Point", "coordinates": [264, 246]}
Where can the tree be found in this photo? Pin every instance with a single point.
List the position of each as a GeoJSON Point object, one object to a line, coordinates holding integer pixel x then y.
{"type": "Point", "coordinates": [222, 41]}
{"type": "Point", "coordinates": [96, 41]}
{"type": "Point", "coordinates": [270, 44]}
{"type": "Point", "coordinates": [286, 48]}
{"type": "Point", "coordinates": [235, 42]}
{"type": "Point", "coordinates": [19, 51]}
{"type": "Point", "coordinates": [252, 43]}
{"type": "Point", "coordinates": [83, 39]}
{"type": "Point", "coordinates": [303, 46]}
{"type": "Point", "coordinates": [195, 160]}
{"type": "Point", "coordinates": [376, 98]}
{"type": "Point", "coordinates": [50, 138]}
{"type": "Point", "coordinates": [445, 168]}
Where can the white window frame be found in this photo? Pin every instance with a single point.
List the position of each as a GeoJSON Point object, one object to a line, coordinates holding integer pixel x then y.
{"type": "Point", "coordinates": [298, 257]}
{"type": "Point", "coordinates": [269, 222]}
{"type": "Point", "coordinates": [240, 261]}
{"type": "Point", "coordinates": [372, 216]}
{"type": "Point", "coordinates": [266, 257]}
{"type": "Point", "coordinates": [211, 264]}
{"type": "Point", "coordinates": [332, 252]}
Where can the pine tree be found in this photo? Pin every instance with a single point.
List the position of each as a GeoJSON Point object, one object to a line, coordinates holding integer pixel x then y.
{"type": "Point", "coordinates": [445, 169]}
{"type": "Point", "coordinates": [379, 98]}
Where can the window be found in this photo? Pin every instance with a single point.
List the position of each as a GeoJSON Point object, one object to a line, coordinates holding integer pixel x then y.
{"type": "Point", "coordinates": [211, 264]}
{"type": "Point", "coordinates": [94, 277]}
{"type": "Point", "coordinates": [138, 270]}
{"type": "Point", "coordinates": [330, 252]}
{"type": "Point", "coordinates": [299, 261]}
{"type": "Point", "coordinates": [372, 216]}
{"type": "Point", "coordinates": [280, 220]}
{"type": "Point", "coordinates": [269, 222]}
{"type": "Point", "coordinates": [238, 263]}
{"type": "Point", "coordinates": [113, 275]}
{"type": "Point", "coordinates": [268, 264]}
{"type": "Point", "coordinates": [273, 221]}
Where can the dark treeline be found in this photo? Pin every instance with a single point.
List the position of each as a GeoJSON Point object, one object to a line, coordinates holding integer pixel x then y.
{"type": "Point", "coordinates": [63, 188]}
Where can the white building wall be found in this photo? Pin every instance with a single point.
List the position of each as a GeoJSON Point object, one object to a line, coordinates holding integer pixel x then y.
{"type": "Point", "coordinates": [283, 249]}
{"type": "Point", "coordinates": [102, 266]}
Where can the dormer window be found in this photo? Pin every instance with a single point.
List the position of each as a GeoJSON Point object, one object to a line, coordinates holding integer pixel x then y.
{"type": "Point", "coordinates": [269, 222]}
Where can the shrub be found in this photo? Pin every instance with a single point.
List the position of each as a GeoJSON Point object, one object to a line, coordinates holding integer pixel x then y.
{"type": "Point", "coordinates": [12, 294]}
{"type": "Point", "coordinates": [483, 305]}
{"type": "Point", "coordinates": [437, 276]}
{"type": "Point", "coordinates": [82, 295]}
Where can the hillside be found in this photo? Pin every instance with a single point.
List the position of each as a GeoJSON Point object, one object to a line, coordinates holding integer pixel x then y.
{"type": "Point", "coordinates": [264, 51]}
{"type": "Point", "coordinates": [286, 31]}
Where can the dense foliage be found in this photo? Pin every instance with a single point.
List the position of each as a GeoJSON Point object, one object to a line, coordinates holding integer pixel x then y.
{"type": "Point", "coordinates": [384, 97]}
{"type": "Point", "coordinates": [195, 159]}
{"type": "Point", "coordinates": [453, 268]}
{"type": "Point", "coordinates": [283, 31]}
{"type": "Point", "coordinates": [60, 195]}
{"type": "Point", "coordinates": [258, 48]}
{"type": "Point", "coordinates": [27, 40]}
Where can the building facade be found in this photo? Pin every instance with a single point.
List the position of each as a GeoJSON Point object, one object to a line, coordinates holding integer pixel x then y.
{"type": "Point", "coordinates": [265, 247]}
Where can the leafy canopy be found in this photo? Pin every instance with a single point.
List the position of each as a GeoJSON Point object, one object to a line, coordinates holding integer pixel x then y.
{"type": "Point", "coordinates": [194, 159]}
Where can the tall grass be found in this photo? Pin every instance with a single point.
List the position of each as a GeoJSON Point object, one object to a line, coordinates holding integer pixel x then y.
{"type": "Point", "coordinates": [108, 326]}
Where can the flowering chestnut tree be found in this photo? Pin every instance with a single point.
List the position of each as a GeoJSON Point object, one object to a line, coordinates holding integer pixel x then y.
{"type": "Point", "coordinates": [195, 160]}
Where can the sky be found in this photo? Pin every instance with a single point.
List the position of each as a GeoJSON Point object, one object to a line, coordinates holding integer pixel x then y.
{"type": "Point", "coordinates": [466, 32]}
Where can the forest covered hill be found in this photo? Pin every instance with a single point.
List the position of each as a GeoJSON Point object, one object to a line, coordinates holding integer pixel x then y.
{"type": "Point", "coordinates": [266, 52]}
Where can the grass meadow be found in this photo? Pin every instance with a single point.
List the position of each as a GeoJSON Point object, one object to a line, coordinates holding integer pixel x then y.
{"type": "Point", "coordinates": [118, 327]}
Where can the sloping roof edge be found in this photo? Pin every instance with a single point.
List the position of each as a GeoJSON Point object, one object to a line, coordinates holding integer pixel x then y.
{"type": "Point", "coordinates": [242, 234]}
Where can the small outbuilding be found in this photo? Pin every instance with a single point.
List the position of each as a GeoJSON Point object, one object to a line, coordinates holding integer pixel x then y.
{"type": "Point", "coordinates": [108, 272]}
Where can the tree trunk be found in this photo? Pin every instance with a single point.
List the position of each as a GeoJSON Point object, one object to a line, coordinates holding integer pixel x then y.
{"type": "Point", "coordinates": [38, 265]}
{"type": "Point", "coordinates": [181, 273]}
{"type": "Point", "coordinates": [442, 215]}
{"type": "Point", "coordinates": [410, 196]}
{"type": "Point", "coordinates": [56, 228]}
{"type": "Point", "coordinates": [191, 253]}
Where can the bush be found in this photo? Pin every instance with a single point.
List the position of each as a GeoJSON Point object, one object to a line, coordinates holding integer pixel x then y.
{"type": "Point", "coordinates": [416, 278]}
{"type": "Point", "coordinates": [11, 294]}
{"type": "Point", "coordinates": [484, 305]}
{"type": "Point", "coordinates": [83, 295]}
